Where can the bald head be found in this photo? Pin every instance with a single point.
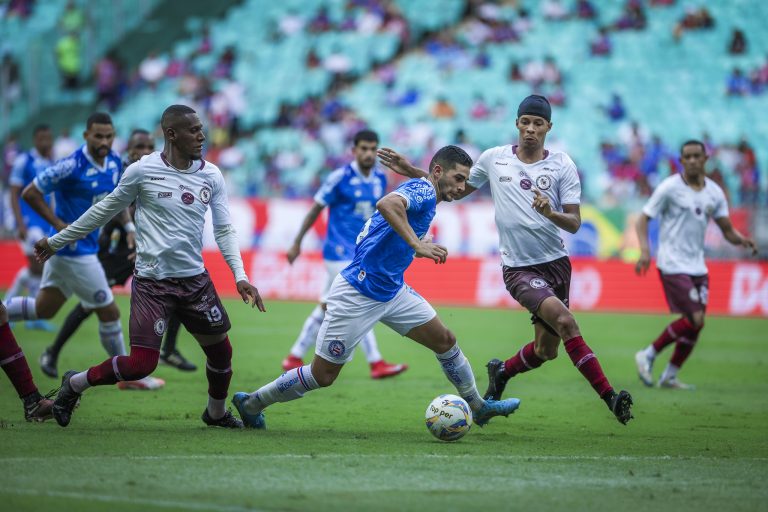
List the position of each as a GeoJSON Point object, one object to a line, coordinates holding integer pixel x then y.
{"type": "Point", "coordinates": [175, 114]}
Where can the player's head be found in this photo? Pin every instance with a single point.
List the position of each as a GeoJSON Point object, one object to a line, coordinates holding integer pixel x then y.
{"type": "Point", "coordinates": [365, 144]}
{"type": "Point", "coordinates": [693, 156]}
{"type": "Point", "coordinates": [99, 134]}
{"type": "Point", "coordinates": [534, 120]}
{"type": "Point", "coordinates": [140, 143]}
{"type": "Point", "coordinates": [449, 170]}
{"type": "Point", "coordinates": [42, 139]}
{"type": "Point", "coordinates": [183, 130]}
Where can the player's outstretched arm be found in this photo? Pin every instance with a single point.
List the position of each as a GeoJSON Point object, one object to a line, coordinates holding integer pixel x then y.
{"type": "Point", "coordinates": [393, 208]}
{"type": "Point", "coordinates": [34, 197]}
{"type": "Point", "coordinates": [733, 236]}
{"type": "Point", "coordinates": [399, 164]}
{"type": "Point", "coordinates": [309, 220]}
{"type": "Point", "coordinates": [644, 262]}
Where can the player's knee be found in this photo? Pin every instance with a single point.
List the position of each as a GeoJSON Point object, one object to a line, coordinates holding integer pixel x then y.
{"type": "Point", "coordinates": [445, 342]}
{"type": "Point", "coordinates": [138, 366]}
{"type": "Point", "coordinates": [109, 313]}
{"type": "Point", "coordinates": [546, 350]}
{"type": "Point", "coordinates": [697, 321]}
{"type": "Point", "coordinates": [325, 378]}
{"type": "Point", "coordinates": [566, 326]}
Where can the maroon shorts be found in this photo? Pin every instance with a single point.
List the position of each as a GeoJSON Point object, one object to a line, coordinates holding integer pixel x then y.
{"type": "Point", "coordinates": [193, 300]}
{"type": "Point", "coordinates": [686, 294]}
{"type": "Point", "coordinates": [532, 284]}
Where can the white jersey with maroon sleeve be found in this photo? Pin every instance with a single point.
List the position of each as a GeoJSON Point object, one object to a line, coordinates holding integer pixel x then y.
{"type": "Point", "coordinates": [525, 236]}
{"type": "Point", "coordinates": [683, 215]}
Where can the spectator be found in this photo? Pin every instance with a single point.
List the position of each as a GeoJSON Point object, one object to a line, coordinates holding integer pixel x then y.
{"type": "Point", "coordinates": [737, 84]}
{"type": "Point", "coordinates": [615, 110]}
{"type": "Point", "coordinates": [554, 10]}
{"type": "Point", "coordinates": [10, 78]}
{"type": "Point", "coordinates": [20, 8]}
{"type": "Point", "coordinates": [68, 60]}
{"type": "Point", "coordinates": [337, 62]}
{"type": "Point", "coordinates": [442, 109]}
{"type": "Point", "coordinates": [464, 143]}
{"type": "Point", "coordinates": [585, 10]}
{"type": "Point", "coordinates": [108, 74]}
{"type": "Point", "coordinates": [321, 22]}
{"type": "Point", "coordinates": [632, 17]}
{"type": "Point", "coordinates": [73, 19]}
{"type": "Point", "coordinates": [515, 73]}
{"type": "Point", "coordinates": [738, 44]}
{"type": "Point", "coordinates": [223, 68]}
{"type": "Point", "coordinates": [748, 173]}
{"type": "Point", "coordinates": [479, 109]}
{"type": "Point", "coordinates": [152, 69]}
{"type": "Point", "coordinates": [601, 45]}
{"type": "Point", "coordinates": [291, 23]}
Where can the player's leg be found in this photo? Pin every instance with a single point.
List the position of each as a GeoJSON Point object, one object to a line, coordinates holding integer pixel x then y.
{"type": "Point", "coordinates": [380, 368]}
{"type": "Point", "coordinates": [14, 364]}
{"type": "Point", "coordinates": [54, 291]}
{"type": "Point", "coordinates": [50, 356]}
{"type": "Point", "coordinates": [33, 286]}
{"type": "Point", "coordinates": [19, 283]}
{"type": "Point", "coordinates": [170, 353]}
{"type": "Point", "coordinates": [684, 345]}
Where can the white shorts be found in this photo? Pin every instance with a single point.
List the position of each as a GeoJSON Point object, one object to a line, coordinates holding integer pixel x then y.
{"type": "Point", "coordinates": [333, 268]}
{"type": "Point", "coordinates": [81, 275]}
{"type": "Point", "coordinates": [34, 233]}
{"type": "Point", "coordinates": [351, 315]}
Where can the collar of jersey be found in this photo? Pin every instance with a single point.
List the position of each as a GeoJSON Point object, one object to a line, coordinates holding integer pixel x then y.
{"type": "Point", "coordinates": [353, 166]}
{"type": "Point", "coordinates": [92, 161]}
{"type": "Point", "coordinates": [191, 169]}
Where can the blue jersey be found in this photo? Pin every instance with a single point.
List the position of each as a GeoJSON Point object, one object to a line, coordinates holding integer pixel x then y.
{"type": "Point", "coordinates": [382, 255]}
{"type": "Point", "coordinates": [25, 169]}
{"type": "Point", "coordinates": [351, 199]}
{"type": "Point", "coordinates": [78, 183]}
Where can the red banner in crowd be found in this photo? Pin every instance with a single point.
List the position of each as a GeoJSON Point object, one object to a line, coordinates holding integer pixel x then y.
{"type": "Point", "coordinates": [736, 288]}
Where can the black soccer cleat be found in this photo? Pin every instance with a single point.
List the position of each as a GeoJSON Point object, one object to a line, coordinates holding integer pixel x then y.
{"type": "Point", "coordinates": [226, 421]}
{"type": "Point", "coordinates": [66, 400]}
{"type": "Point", "coordinates": [497, 380]}
{"type": "Point", "coordinates": [178, 361]}
{"type": "Point", "coordinates": [48, 364]}
{"type": "Point", "coordinates": [37, 407]}
{"type": "Point", "coordinates": [620, 405]}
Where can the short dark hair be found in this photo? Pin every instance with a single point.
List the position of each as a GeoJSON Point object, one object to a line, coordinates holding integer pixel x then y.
{"type": "Point", "coordinates": [41, 128]}
{"type": "Point", "coordinates": [448, 156]}
{"type": "Point", "coordinates": [172, 112]}
{"type": "Point", "coordinates": [367, 136]}
{"type": "Point", "coordinates": [693, 142]}
{"type": "Point", "coordinates": [98, 118]}
{"type": "Point", "coordinates": [138, 131]}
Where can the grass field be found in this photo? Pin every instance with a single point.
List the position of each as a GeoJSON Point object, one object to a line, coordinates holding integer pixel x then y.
{"type": "Point", "coordinates": [362, 444]}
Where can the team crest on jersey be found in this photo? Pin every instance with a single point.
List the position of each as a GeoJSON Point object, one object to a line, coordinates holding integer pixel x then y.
{"type": "Point", "coordinates": [525, 184]}
{"type": "Point", "coordinates": [187, 198]}
{"type": "Point", "coordinates": [160, 326]}
{"type": "Point", "coordinates": [205, 195]}
{"type": "Point", "coordinates": [543, 182]}
{"type": "Point", "coordinates": [99, 296]}
{"type": "Point", "coordinates": [336, 348]}
{"type": "Point", "coordinates": [361, 275]}
{"type": "Point", "coordinates": [537, 282]}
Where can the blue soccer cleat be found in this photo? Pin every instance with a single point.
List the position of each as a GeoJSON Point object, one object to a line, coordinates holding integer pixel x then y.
{"type": "Point", "coordinates": [249, 420]}
{"type": "Point", "coordinates": [495, 408]}
{"type": "Point", "coordinates": [39, 325]}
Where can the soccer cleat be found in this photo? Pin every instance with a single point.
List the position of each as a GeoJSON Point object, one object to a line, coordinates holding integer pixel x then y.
{"type": "Point", "coordinates": [39, 325]}
{"type": "Point", "coordinates": [226, 421]}
{"type": "Point", "coordinates": [178, 361]}
{"type": "Point", "coordinates": [497, 380]}
{"type": "Point", "coordinates": [66, 400]}
{"type": "Point", "coordinates": [48, 364]}
{"type": "Point", "coordinates": [674, 383]}
{"type": "Point", "coordinates": [493, 408]}
{"type": "Point", "coordinates": [382, 369]}
{"type": "Point", "coordinates": [644, 368]}
{"type": "Point", "coordinates": [37, 407]}
{"type": "Point", "coordinates": [249, 420]}
{"type": "Point", "coordinates": [145, 384]}
{"type": "Point", "coordinates": [620, 405]}
{"type": "Point", "coordinates": [291, 362]}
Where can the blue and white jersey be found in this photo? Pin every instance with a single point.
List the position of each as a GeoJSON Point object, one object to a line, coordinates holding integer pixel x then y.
{"type": "Point", "coordinates": [25, 168]}
{"type": "Point", "coordinates": [78, 183]}
{"type": "Point", "coordinates": [382, 255]}
{"type": "Point", "coordinates": [351, 199]}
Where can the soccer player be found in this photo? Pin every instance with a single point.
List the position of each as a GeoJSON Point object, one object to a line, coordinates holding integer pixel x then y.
{"type": "Point", "coordinates": [535, 193]}
{"type": "Point", "coordinates": [371, 289]}
{"type": "Point", "coordinates": [350, 193]}
{"type": "Point", "coordinates": [683, 203]}
{"type": "Point", "coordinates": [117, 257]}
{"type": "Point", "coordinates": [30, 226]}
{"type": "Point", "coordinates": [172, 189]}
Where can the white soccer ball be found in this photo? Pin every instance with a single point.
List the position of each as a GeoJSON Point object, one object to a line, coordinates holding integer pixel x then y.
{"type": "Point", "coordinates": [448, 417]}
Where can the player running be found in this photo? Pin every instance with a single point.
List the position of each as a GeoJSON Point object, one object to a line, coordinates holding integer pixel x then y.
{"type": "Point", "coordinates": [535, 193]}
{"type": "Point", "coordinates": [371, 289]}
{"type": "Point", "coordinates": [683, 203]}
{"type": "Point", "coordinates": [30, 226]}
{"type": "Point", "coordinates": [350, 193]}
{"type": "Point", "coordinates": [172, 189]}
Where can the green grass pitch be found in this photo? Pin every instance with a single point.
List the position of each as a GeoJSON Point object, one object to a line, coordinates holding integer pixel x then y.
{"type": "Point", "coordinates": [362, 444]}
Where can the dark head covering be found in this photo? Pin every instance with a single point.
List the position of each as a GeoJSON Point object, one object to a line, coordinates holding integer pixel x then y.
{"type": "Point", "coordinates": [535, 105]}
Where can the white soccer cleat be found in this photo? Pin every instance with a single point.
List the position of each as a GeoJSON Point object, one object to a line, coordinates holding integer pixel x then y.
{"type": "Point", "coordinates": [674, 383]}
{"type": "Point", "coordinates": [145, 384]}
{"type": "Point", "coordinates": [644, 368]}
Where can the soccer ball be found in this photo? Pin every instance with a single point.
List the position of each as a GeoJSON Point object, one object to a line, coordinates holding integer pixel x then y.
{"type": "Point", "coordinates": [448, 417]}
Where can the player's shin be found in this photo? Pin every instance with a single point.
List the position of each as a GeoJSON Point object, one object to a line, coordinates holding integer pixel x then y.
{"type": "Point", "coordinates": [218, 370]}
{"type": "Point", "coordinates": [458, 370]}
{"type": "Point", "coordinates": [289, 386]}
{"type": "Point", "coordinates": [21, 308]}
{"type": "Point", "coordinates": [14, 363]}
{"type": "Point", "coordinates": [586, 362]}
{"type": "Point", "coordinates": [111, 336]}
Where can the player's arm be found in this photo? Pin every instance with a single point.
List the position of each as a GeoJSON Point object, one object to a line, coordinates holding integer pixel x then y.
{"type": "Point", "coordinates": [641, 228]}
{"type": "Point", "coordinates": [569, 219]}
{"type": "Point", "coordinates": [21, 227]}
{"type": "Point", "coordinates": [35, 198]}
{"type": "Point", "coordinates": [734, 236]}
{"type": "Point", "coordinates": [400, 165]}
{"type": "Point", "coordinates": [393, 208]}
{"type": "Point", "coordinates": [309, 220]}
{"type": "Point", "coordinates": [125, 219]}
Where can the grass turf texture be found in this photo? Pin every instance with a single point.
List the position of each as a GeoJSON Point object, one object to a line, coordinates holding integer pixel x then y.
{"type": "Point", "coordinates": [362, 444]}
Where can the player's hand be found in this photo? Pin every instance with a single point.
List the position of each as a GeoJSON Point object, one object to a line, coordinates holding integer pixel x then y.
{"type": "Point", "coordinates": [293, 253]}
{"type": "Point", "coordinates": [748, 243]}
{"type": "Point", "coordinates": [427, 238]}
{"type": "Point", "coordinates": [130, 240]}
{"type": "Point", "coordinates": [642, 265]}
{"type": "Point", "coordinates": [398, 163]}
{"type": "Point", "coordinates": [541, 203]}
{"type": "Point", "coordinates": [250, 294]}
{"type": "Point", "coordinates": [43, 251]}
{"type": "Point", "coordinates": [21, 233]}
{"type": "Point", "coordinates": [436, 253]}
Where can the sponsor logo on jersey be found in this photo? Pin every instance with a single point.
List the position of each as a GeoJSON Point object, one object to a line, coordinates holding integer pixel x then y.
{"type": "Point", "coordinates": [537, 282]}
{"type": "Point", "coordinates": [91, 172]}
{"type": "Point", "coordinates": [501, 163]}
{"type": "Point", "coordinates": [543, 182]}
{"type": "Point", "coordinates": [336, 348]}
{"type": "Point", "coordinates": [156, 178]}
{"type": "Point", "coordinates": [525, 184]}
{"type": "Point", "coordinates": [187, 198]}
{"type": "Point", "coordinates": [505, 179]}
{"type": "Point", "coordinates": [160, 326]}
{"type": "Point", "coordinates": [205, 195]}
{"type": "Point", "coordinates": [162, 195]}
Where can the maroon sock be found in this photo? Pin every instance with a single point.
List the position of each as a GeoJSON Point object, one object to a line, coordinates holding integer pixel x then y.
{"type": "Point", "coordinates": [523, 361]}
{"type": "Point", "coordinates": [218, 368]}
{"type": "Point", "coordinates": [684, 347]}
{"type": "Point", "coordinates": [586, 361]}
{"type": "Point", "coordinates": [14, 363]}
{"type": "Point", "coordinates": [670, 333]}
{"type": "Point", "coordinates": [140, 363]}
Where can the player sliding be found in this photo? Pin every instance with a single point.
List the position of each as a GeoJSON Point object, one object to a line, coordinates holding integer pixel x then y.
{"type": "Point", "coordinates": [683, 203]}
{"type": "Point", "coordinates": [173, 190]}
{"type": "Point", "coordinates": [371, 289]}
{"type": "Point", "coordinates": [535, 193]}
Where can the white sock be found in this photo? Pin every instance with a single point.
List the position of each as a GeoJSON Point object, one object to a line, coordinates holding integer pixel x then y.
{"type": "Point", "coordinates": [670, 372]}
{"type": "Point", "coordinates": [33, 284]}
{"type": "Point", "coordinates": [21, 308]}
{"type": "Point", "coordinates": [111, 336]}
{"type": "Point", "coordinates": [650, 352]}
{"type": "Point", "coordinates": [19, 282]}
{"type": "Point", "coordinates": [458, 370]}
{"type": "Point", "coordinates": [289, 386]}
{"type": "Point", "coordinates": [216, 408]}
{"type": "Point", "coordinates": [371, 348]}
{"type": "Point", "coordinates": [79, 382]}
{"type": "Point", "coordinates": [309, 331]}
